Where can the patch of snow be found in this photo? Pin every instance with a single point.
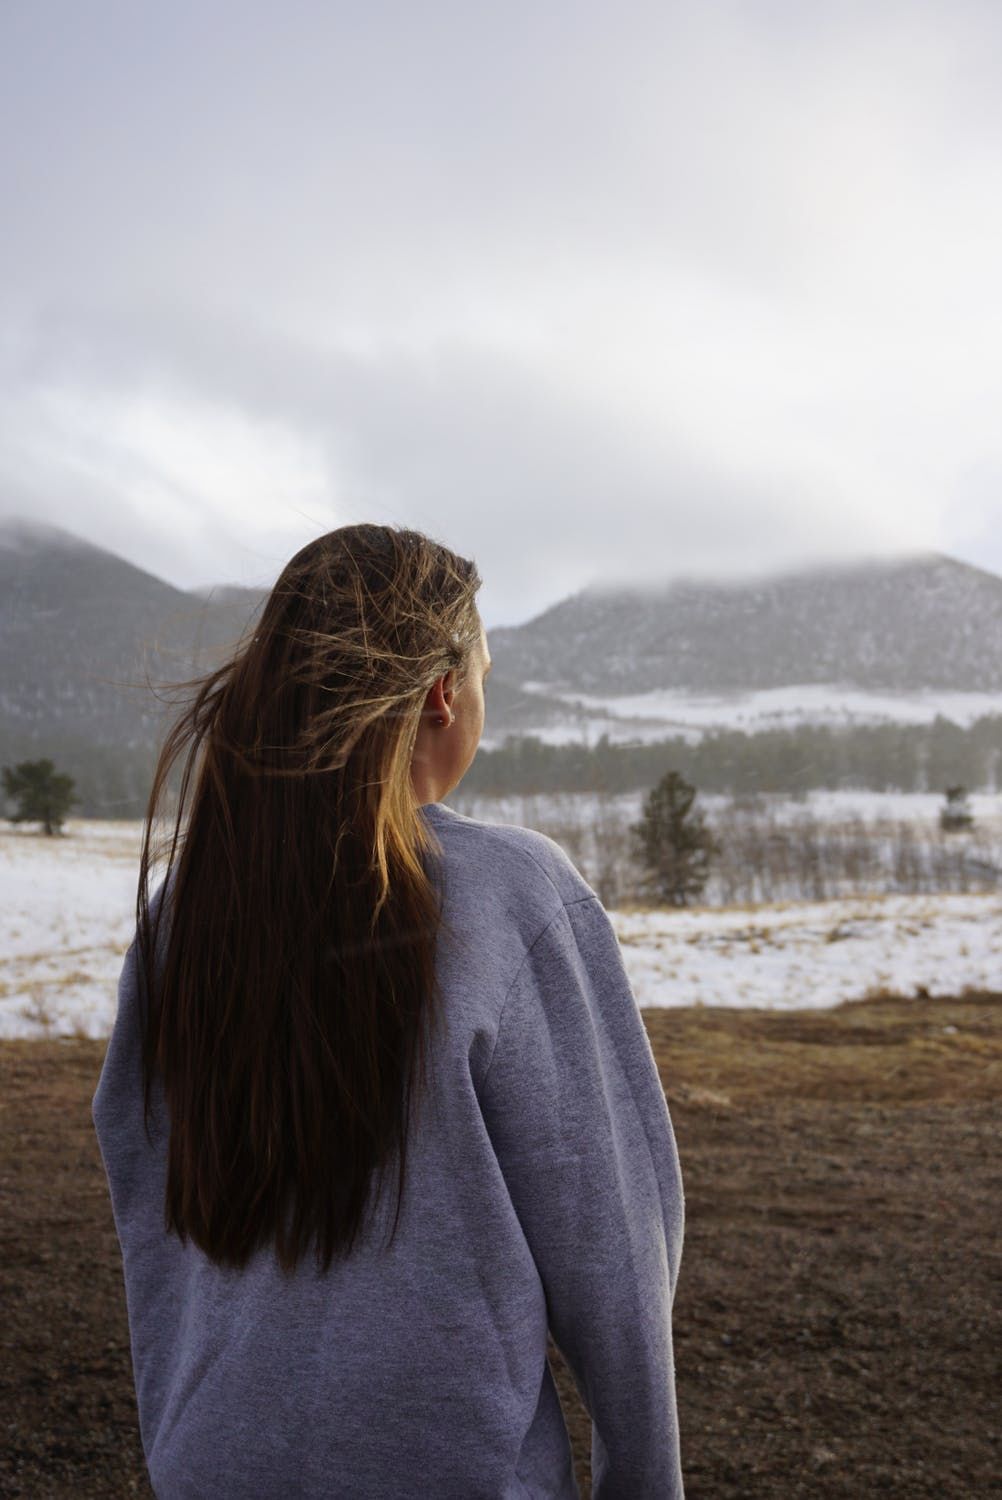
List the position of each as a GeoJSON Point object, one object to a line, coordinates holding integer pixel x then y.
{"type": "Point", "coordinates": [813, 954]}
{"type": "Point", "coordinates": [666, 712]}
{"type": "Point", "coordinates": [67, 915]}
{"type": "Point", "coordinates": [67, 911]}
{"type": "Point", "coordinates": [817, 702]}
{"type": "Point", "coordinates": [584, 808]}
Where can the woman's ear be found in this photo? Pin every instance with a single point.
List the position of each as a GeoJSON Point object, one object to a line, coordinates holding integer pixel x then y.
{"type": "Point", "coordinates": [438, 699]}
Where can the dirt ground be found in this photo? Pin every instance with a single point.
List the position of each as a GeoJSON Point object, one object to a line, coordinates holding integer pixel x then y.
{"type": "Point", "coordinates": [837, 1323]}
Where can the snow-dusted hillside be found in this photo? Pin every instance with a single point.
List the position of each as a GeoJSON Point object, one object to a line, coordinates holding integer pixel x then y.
{"type": "Point", "coordinates": [904, 624]}
{"type": "Point", "coordinates": [899, 640]}
{"type": "Point", "coordinates": [664, 712]}
{"type": "Point", "coordinates": [67, 912]}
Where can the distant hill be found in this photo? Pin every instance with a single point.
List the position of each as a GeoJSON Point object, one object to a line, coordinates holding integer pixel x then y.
{"type": "Point", "coordinates": [80, 626]}
{"type": "Point", "coordinates": [919, 623]}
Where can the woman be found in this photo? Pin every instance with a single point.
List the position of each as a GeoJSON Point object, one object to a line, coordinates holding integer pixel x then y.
{"type": "Point", "coordinates": [354, 978]}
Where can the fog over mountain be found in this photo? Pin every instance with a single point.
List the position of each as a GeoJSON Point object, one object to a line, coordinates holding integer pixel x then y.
{"type": "Point", "coordinates": [901, 639]}
{"type": "Point", "coordinates": [918, 623]}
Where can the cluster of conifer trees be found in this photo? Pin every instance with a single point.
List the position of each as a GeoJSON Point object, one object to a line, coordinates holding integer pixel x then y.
{"type": "Point", "coordinates": [882, 757]}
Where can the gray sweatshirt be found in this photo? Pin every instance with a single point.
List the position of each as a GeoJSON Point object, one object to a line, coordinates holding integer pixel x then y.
{"type": "Point", "coordinates": [543, 1191]}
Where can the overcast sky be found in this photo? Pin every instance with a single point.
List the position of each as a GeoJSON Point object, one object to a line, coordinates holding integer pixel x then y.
{"type": "Point", "coordinates": [579, 289]}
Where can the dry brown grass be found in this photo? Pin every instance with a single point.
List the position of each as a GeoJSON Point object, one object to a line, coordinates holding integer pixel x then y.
{"type": "Point", "coordinates": [837, 1318]}
{"type": "Point", "coordinates": [884, 1049]}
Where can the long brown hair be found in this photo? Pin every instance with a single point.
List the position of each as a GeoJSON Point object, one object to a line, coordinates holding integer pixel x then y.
{"type": "Point", "coordinates": [288, 1008]}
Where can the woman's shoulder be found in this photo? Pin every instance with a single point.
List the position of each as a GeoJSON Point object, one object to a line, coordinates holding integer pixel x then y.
{"type": "Point", "coordinates": [529, 858]}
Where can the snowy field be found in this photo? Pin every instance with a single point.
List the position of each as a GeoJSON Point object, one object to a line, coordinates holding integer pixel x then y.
{"type": "Point", "coordinates": [582, 808]}
{"type": "Point", "coordinates": [67, 915]}
{"type": "Point", "coordinates": [790, 956]}
{"type": "Point", "coordinates": [651, 716]}
{"type": "Point", "coordinates": [68, 907]}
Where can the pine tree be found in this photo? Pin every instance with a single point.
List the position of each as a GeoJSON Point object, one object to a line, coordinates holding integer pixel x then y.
{"type": "Point", "coordinates": [43, 795]}
{"type": "Point", "coordinates": [955, 812]}
{"type": "Point", "coordinates": [675, 845]}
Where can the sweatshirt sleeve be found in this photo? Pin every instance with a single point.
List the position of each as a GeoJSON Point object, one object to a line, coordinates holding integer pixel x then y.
{"type": "Point", "coordinates": [580, 1126]}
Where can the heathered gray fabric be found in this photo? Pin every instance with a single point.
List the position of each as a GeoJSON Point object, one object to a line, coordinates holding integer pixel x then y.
{"type": "Point", "coordinates": [543, 1189]}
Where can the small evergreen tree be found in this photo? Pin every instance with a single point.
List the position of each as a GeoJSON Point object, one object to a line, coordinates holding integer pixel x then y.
{"type": "Point", "coordinates": [43, 795]}
{"type": "Point", "coordinates": [675, 845]}
{"type": "Point", "coordinates": [955, 812]}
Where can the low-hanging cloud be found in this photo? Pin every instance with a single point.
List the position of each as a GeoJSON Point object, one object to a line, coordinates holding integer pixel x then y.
{"type": "Point", "coordinates": [582, 293]}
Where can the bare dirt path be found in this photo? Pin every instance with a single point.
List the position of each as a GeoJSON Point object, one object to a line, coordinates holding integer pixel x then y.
{"type": "Point", "coordinates": [838, 1323]}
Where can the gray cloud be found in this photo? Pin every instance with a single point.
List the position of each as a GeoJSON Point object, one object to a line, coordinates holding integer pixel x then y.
{"type": "Point", "coordinates": [580, 293]}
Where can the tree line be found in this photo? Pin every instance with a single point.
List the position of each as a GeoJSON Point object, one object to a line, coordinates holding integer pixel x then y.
{"type": "Point", "coordinates": [874, 757]}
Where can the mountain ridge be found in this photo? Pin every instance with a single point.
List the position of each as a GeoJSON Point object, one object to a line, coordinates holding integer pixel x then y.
{"type": "Point", "coordinates": [904, 624]}
{"type": "Point", "coordinates": [82, 628]}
